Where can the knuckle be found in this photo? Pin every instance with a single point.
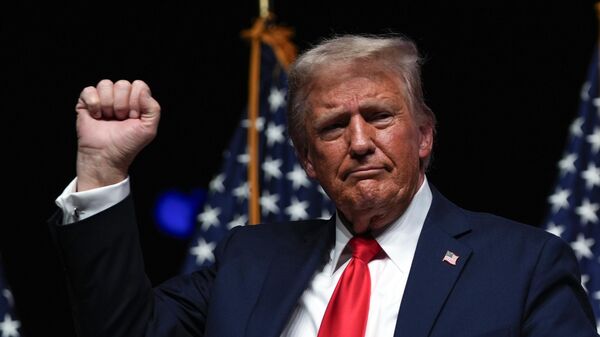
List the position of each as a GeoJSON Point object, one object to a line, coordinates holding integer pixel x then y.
{"type": "Point", "coordinates": [139, 82]}
{"type": "Point", "coordinates": [104, 83]}
{"type": "Point", "coordinates": [122, 84]}
{"type": "Point", "coordinates": [141, 85]}
{"type": "Point", "coordinates": [89, 95]}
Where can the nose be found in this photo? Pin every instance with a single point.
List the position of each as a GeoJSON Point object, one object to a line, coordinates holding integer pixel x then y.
{"type": "Point", "coordinates": [360, 136]}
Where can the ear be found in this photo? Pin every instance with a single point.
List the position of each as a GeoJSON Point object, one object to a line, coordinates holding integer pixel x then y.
{"type": "Point", "coordinates": [425, 140]}
{"type": "Point", "coordinates": [307, 164]}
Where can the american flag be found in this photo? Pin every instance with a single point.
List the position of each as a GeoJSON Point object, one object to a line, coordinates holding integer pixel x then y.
{"type": "Point", "coordinates": [574, 204]}
{"type": "Point", "coordinates": [286, 192]}
{"type": "Point", "coordinates": [9, 325]}
{"type": "Point", "coordinates": [450, 257]}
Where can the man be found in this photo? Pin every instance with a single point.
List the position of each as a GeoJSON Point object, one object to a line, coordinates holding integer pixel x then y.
{"type": "Point", "coordinates": [361, 128]}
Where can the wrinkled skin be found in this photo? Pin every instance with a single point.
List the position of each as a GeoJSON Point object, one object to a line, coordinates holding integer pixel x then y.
{"type": "Point", "coordinates": [365, 146]}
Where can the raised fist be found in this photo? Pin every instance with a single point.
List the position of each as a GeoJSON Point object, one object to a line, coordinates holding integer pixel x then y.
{"type": "Point", "coordinates": [114, 122]}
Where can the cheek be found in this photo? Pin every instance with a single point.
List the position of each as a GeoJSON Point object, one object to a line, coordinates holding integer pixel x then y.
{"type": "Point", "coordinates": [402, 147]}
{"type": "Point", "coordinates": [325, 158]}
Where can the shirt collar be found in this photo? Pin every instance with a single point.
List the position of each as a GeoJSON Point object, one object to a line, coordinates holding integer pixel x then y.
{"type": "Point", "coordinates": [399, 240]}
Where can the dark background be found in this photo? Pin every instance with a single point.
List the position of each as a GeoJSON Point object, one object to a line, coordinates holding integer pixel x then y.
{"type": "Point", "coordinates": [503, 78]}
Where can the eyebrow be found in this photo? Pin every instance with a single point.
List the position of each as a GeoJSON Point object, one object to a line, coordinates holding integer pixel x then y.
{"type": "Point", "coordinates": [329, 115]}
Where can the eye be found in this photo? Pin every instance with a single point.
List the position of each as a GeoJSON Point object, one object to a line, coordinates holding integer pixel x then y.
{"type": "Point", "coordinates": [381, 117]}
{"type": "Point", "coordinates": [332, 130]}
{"type": "Point", "coordinates": [332, 126]}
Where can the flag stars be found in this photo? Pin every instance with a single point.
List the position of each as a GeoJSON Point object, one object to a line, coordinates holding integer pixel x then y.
{"type": "Point", "coordinates": [260, 123]}
{"type": "Point", "coordinates": [268, 203]}
{"type": "Point", "coordinates": [574, 213]}
{"type": "Point", "coordinates": [8, 295]}
{"type": "Point", "coordinates": [558, 200]}
{"type": "Point", "coordinates": [243, 158]}
{"type": "Point", "coordinates": [238, 220]}
{"type": "Point", "coordinates": [297, 209]}
{"type": "Point", "coordinates": [276, 99]}
{"type": "Point", "coordinates": [594, 140]}
{"type": "Point", "coordinates": [587, 212]}
{"type": "Point", "coordinates": [595, 101]}
{"type": "Point", "coordinates": [209, 217]}
{"type": "Point", "coordinates": [203, 251]}
{"type": "Point", "coordinates": [271, 167]}
{"type": "Point", "coordinates": [298, 178]}
{"type": "Point", "coordinates": [575, 128]}
{"type": "Point", "coordinates": [591, 176]}
{"type": "Point", "coordinates": [9, 327]}
{"type": "Point", "coordinates": [555, 229]}
{"type": "Point", "coordinates": [216, 185]}
{"type": "Point", "coordinates": [274, 134]}
{"type": "Point", "coordinates": [585, 91]}
{"type": "Point", "coordinates": [325, 214]}
{"type": "Point", "coordinates": [567, 164]}
{"type": "Point", "coordinates": [583, 247]}
{"type": "Point", "coordinates": [241, 192]}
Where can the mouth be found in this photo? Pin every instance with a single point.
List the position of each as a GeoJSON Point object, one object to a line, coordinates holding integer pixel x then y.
{"type": "Point", "coordinates": [364, 172]}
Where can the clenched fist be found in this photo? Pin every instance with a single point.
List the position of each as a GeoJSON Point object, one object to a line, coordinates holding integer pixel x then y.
{"type": "Point", "coordinates": [114, 122]}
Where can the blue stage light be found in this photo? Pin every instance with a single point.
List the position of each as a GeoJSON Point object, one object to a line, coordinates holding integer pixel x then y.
{"type": "Point", "coordinates": [175, 212]}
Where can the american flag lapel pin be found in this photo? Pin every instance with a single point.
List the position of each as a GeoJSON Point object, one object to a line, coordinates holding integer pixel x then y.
{"type": "Point", "coordinates": [450, 257]}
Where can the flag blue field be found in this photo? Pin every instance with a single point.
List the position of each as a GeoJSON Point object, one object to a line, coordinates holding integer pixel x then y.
{"type": "Point", "coordinates": [575, 202]}
{"type": "Point", "coordinates": [9, 325]}
{"type": "Point", "coordinates": [286, 192]}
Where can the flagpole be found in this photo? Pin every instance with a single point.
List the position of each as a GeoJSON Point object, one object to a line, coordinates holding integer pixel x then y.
{"type": "Point", "coordinates": [253, 106]}
{"type": "Point", "coordinates": [253, 92]}
{"type": "Point", "coordinates": [262, 31]}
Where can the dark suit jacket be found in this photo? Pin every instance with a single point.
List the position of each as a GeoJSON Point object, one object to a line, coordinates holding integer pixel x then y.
{"type": "Point", "coordinates": [510, 279]}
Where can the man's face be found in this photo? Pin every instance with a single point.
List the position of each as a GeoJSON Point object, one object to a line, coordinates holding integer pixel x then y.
{"type": "Point", "coordinates": [364, 144]}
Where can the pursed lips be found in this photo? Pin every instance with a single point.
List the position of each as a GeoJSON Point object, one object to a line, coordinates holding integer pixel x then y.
{"type": "Point", "coordinates": [364, 172]}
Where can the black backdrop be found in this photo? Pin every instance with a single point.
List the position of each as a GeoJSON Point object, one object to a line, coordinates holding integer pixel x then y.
{"type": "Point", "coordinates": [503, 78]}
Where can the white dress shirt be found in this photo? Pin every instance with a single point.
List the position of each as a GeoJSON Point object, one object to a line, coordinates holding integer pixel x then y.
{"type": "Point", "coordinates": [77, 206]}
{"type": "Point", "coordinates": [388, 275]}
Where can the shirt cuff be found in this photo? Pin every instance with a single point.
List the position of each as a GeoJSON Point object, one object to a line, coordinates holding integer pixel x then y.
{"type": "Point", "coordinates": [77, 206]}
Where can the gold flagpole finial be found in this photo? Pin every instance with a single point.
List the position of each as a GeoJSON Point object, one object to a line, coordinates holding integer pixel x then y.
{"type": "Point", "coordinates": [264, 8]}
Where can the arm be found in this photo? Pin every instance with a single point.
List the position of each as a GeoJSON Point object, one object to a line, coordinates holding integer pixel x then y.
{"type": "Point", "coordinates": [557, 305]}
{"type": "Point", "coordinates": [109, 290]}
{"type": "Point", "coordinates": [110, 293]}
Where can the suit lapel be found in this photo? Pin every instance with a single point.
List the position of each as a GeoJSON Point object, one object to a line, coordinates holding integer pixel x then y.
{"type": "Point", "coordinates": [431, 279]}
{"type": "Point", "coordinates": [287, 277]}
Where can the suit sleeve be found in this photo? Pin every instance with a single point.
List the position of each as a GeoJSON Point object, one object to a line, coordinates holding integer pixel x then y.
{"type": "Point", "coordinates": [110, 292]}
{"type": "Point", "coordinates": [557, 305]}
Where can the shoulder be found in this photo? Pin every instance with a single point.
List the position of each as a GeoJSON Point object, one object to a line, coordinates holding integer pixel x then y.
{"type": "Point", "coordinates": [490, 232]}
{"type": "Point", "coordinates": [503, 233]}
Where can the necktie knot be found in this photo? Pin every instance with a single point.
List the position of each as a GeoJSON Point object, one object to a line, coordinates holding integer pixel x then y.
{"type": "Point", "coordinates": [364, 248]}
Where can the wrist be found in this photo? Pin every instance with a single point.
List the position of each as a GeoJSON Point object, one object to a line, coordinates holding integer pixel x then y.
{"type": "Point", "coordinates": [97, 172]}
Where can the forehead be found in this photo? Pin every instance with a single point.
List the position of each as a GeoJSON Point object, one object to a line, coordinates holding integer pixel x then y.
{"type": "Point", "coordinates": [336, 84]}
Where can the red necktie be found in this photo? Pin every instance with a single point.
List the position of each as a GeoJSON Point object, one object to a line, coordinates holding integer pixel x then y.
{"type": "Point", "coordinates": [348, 309]}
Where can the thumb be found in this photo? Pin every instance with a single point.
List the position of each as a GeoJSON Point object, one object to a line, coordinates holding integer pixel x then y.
{"type": "Point", "coordinates": [149, 107]}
